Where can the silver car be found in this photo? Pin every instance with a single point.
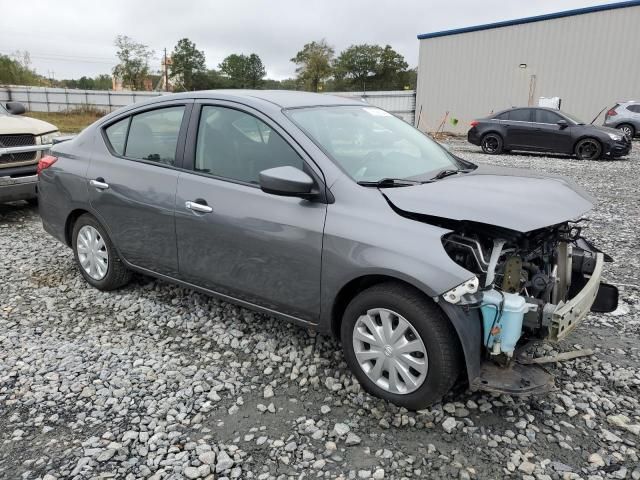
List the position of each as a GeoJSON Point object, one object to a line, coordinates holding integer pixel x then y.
{"type": "Point", "coordinates": [624, 116]}
{"type": "Point", "coordinates": [339, 217]}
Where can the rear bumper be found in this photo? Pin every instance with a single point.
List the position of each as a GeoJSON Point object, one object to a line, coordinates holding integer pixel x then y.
{"type": "Point", "coordinates": [18, 188]}
{"type": "Point", "coordinates": [473, 136]}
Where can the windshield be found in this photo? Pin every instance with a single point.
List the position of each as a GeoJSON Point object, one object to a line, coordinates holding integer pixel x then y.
{"type": "Point", "coordinates": [371, 144]}
{"type": "Point", "coordinates": [573, 119]}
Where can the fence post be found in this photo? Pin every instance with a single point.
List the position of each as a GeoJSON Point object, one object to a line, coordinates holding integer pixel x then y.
{"type": "Point", "coordinates": [28, 99]}
{"type": "Point", "coordinates": [66, 98]}
{"type": "Point", "coordinates": [46, 97]}
{"type": "Point", "coordinates": [109, 100]}
{"type": "Point", "coordinates": [86, 100]}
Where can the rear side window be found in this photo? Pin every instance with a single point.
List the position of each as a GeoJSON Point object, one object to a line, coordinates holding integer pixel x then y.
{"type": "Point", "coordinates": [634, 108]}
{"type": "Point", "coordinates": [520, 115]}
{"type": "Point", "coordinates": [153, 135]}
{"type": "Point", "coordinates": [117, 135]}
{"type": "Point", "coordinates": [545, 116]}
{"type": "Point", "coordinates": [502, 116]}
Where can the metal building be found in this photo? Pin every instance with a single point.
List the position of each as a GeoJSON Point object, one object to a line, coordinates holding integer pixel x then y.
{"type": "Point", "coordinates": [589, 58]}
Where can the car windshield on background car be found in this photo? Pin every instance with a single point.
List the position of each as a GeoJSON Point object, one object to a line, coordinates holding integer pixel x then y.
{"type": "Point", "coordinates": [373, 146]}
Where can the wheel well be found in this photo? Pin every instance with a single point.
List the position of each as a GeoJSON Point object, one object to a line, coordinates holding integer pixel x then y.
{"type": "Point", "coordinates": [585, 138]}
{"type": "Point", "coordinates": [626, 123]}
{"type": "Point", "coordinates": [350, 290]}
{"type": "Point", "coordinates": [494, 132]}
{"type": "Point", "coordinates": [71, 220]}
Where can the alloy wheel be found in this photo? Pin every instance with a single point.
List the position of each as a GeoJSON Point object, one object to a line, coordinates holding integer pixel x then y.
{"type": "Point", "coordinates": [490, 144]}
{"type": "Point", "coordinates": [390, 351]}
{"type": "Point", "coordinates": [588, 149]}
{"type": "Point", "coordinates": [627, 130]}
{"type": "Point", "coordinates": [92, 252]}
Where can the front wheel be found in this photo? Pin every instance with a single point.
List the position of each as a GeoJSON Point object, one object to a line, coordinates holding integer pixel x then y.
{"type": "Point", "coordinates": [400, 345]}
{"type": "Point", "coordinates": [492, 144]}
{"type": "Point", "coordinates": [96, 256]}
{"type": "Point", "coordinates": [588, 149]}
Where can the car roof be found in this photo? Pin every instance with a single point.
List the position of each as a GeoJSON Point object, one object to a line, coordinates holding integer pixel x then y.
{"type": "Point", "coordinates": [555, 110]}
{"type": "Point", "coordinates": [281, 98]}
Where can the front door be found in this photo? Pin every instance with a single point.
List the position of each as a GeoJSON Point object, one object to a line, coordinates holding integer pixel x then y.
{"type": "Point", "coordinates": [234, 238]}
{"type": "Point", "coordinates": [549, 136]}
{"type": "Point", "coordinates": [132, 182]}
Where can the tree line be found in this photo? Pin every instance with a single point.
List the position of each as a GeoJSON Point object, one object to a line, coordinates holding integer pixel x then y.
{"type": "Point", "coordinates": [357, 68]}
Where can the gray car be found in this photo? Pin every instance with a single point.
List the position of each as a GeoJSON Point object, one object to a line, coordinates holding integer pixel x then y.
{"type": "Point", "coordinates": [339, 217]}
{"type": "Point", "coordinates": [624, 116]}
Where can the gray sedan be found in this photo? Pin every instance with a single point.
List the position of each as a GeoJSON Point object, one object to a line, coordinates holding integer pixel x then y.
{"type": "Point", "coordinates": [339, 217]}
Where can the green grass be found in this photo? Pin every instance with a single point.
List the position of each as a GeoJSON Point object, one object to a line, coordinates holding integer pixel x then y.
{"type": "Point", "coordinates": [68, 122]}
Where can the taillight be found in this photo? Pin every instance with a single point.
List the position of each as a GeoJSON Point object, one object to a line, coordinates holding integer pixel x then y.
{"type": "Point", "coordinates": [475, 123]}
{"type": "Point", "coordinates": [45, 162]}
{"type": "Point", "coordinates": [611, 113]}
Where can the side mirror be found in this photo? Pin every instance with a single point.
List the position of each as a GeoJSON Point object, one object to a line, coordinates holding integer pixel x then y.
{"type": "Point", "coordinates": [15, 108]}
{"type": "Point", "coordinates": [286, 181]}
{"type": "Point", "coordinates": [562, 124]}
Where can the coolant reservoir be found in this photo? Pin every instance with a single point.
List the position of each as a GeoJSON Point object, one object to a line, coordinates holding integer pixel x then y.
{"type": "Point", "coordinates": [504, 328]}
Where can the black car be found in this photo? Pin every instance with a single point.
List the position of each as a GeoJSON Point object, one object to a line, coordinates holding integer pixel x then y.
{"type": "Point", "coordinates": [546, 130]}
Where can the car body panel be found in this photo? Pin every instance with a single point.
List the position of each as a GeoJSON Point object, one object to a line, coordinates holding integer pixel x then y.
{"type": "Point", "coordinates": [545, 137]}
{"type": "Point", "coordinates": [500, 197]}
{"type": "Point", "coordinates": [15, 124]}
{"type": "Point", "coordinates": [627, 113]}
{"type": "Point", "coordinates": [288, 256]}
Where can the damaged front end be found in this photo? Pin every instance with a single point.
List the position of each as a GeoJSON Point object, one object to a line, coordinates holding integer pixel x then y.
{"type": "Point", "coordinates": [535, 285]}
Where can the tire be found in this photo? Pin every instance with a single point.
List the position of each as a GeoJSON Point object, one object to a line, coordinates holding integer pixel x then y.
{"type": "Point", "coordinates": [428, 328]}
{"type": "Point", "coordinates": [627, 129]}
{"type": "Point", "coordinates": [588, 149]}
{"type": "Point", "coordinates": [107, 275]}
{"type": "Point", "coordinates": [492, 144]}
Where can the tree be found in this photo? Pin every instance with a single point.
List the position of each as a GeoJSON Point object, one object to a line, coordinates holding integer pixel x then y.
{"type": "Point", "coordinates": [358, 64]}
{"type": "Point", "coordinates": [134, 62]}
{"type": "Point", "coordinates": [187, 63]}
{"type": "Point", "coordinates": [243, 71]}
{"type": "Point", "coordinates": [17, 70]}
{"type": "Point", "coordinates": [390, 70]}
{"type": "Point", "coordinates": [314, 63]}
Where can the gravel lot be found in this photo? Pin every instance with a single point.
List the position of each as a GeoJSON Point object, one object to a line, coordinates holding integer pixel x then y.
{"type": "Point", "coordinates": [158, 381]}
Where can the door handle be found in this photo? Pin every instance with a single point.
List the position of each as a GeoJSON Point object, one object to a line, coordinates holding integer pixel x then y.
{"type": "Point", "coordinates": [198, 207]}
{"type": "Point", "coordinates": [99, 183]}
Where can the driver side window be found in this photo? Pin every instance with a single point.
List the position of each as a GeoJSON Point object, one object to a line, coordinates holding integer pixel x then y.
{"type": "Point", "coordinates": [235, 145]}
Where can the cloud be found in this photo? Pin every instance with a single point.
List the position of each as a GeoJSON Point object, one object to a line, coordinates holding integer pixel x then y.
{"type": "Point", "coordinates": [75, 38]}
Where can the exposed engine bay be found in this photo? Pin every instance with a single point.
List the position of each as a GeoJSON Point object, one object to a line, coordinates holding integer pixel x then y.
{"type": "Point", "coordinates": [538, 284]}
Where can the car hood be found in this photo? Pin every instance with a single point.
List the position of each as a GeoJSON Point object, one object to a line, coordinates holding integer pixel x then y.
{"type": "Point", "coordinates": [14, 124]}
{"type": "Point", "coordinates": [516, 199]}
{"type": "Point", "coordinates": [608, 130]}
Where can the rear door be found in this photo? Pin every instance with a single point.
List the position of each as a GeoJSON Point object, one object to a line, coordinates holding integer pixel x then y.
{"type": "Point", "coordinates": [548, 136]}
{"type": "Point", "coordinates": [238, 240]}
{"type": "Point", "coordinates": [132, 184]}
{"type": "Point", "coordinates": [519, 127]}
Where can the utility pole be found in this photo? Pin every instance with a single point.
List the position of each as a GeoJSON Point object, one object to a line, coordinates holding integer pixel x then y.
{"type": "Point", "coordinates": [166, 73]}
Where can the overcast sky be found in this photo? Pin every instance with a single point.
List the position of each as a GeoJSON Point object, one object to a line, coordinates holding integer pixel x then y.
{"type": "Point", "coordinates": [75, 38]}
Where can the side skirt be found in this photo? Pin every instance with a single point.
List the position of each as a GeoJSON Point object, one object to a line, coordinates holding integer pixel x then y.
{"type": "Point", "coordinates": [227, 298]}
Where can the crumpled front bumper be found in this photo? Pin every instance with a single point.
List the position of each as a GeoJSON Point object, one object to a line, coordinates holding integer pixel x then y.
{"type": "Point", "coordinates": [568, 315]}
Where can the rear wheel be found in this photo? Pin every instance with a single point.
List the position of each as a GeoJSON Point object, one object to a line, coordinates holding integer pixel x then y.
{"type": "Point", "coordinates": [96, 256]}
{"type": "Point", "coordinates": [400, 346]}
{"type": "Point", "coordinates": [491, 144]}
{"type": "Point", "coordinates": [588, 149]}
{"type": "Point", "coordinates": [627, 129]}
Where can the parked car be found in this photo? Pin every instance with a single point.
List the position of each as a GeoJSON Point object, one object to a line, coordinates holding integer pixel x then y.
{"type": "Point", "coordinates": [546, 130]}
{"type": "Point", "coordinates": [625, 116]}
{"type": "Point", "coordinates": [21, 142]}
{"type": "Point", "coordinates": [336, 216]}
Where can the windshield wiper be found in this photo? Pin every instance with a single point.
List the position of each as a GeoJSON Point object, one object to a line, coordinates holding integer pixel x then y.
{"type": "Point", "coordinates": [390, 183]}
{"type": "Point", "coordinates": [449, 172]}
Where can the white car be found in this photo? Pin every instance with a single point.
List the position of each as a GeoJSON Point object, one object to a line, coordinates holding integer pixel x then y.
{"type": "Point", "coordinates": [22, 139]}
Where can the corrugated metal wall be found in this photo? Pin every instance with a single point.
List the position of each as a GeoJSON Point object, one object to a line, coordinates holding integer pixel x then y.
{"type": "Point", "coordinates": [590, 61]}
{"type": "Point", "coordinates": [401, 103]}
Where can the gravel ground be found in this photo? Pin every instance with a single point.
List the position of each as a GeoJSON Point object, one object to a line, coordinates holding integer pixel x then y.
{"type": "Point", "coordinates": [158, 381]}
